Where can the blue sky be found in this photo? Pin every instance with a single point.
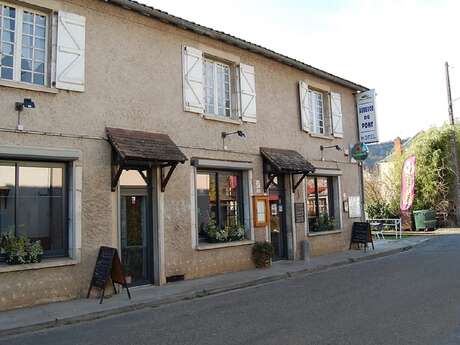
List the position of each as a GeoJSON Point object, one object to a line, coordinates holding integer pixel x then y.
{"type": "Point", "coordinates": [397, 47]}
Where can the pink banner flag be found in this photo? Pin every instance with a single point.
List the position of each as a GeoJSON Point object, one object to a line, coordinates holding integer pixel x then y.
{"type": "Point", "coordinates": [408, 184]}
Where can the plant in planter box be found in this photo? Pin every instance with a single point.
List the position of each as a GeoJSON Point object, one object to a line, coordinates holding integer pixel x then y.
{"type": "Point", "coordinates": [4, 238]}
{"type": "Point", "coordinates": [34, 251]}
{"type": "Point", "coordinates": [236, 232]}
{"type": "Point", "coordinates": [216, 234]}
{"type": "Point", "coordinates": [15, 250]}
{"type": "Point", "coordinates": [262, 254]}
{"type": "Point", "coordinates": [20, 250]}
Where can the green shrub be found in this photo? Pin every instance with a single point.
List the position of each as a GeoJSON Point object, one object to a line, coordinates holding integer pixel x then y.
{"type": "Point", "coordinates": [380, 210]}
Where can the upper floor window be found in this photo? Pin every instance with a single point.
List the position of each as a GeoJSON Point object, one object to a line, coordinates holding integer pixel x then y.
{"type": "Point", "coordinates": [316, 108]}
{"type": "Point", "coordinates": [226, 91]}
{"type": "Point", "coordinates": [320, 111]}
{"type": "Point", "coordinates": [217, 88]}
{"type": "Point", "coordinates": [24, 45]}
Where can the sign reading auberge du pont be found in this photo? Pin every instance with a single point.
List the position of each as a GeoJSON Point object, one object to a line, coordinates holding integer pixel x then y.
{"type": "Point", "coordinates": [367, 119]}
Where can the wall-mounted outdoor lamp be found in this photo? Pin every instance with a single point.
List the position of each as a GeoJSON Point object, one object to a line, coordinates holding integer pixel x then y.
{"type": "Point", "coordinates": [322, 148]}
{"type": "Point", "coordinates": [19, 107]}
{"type": "Point", "coordinates": [241, 134]}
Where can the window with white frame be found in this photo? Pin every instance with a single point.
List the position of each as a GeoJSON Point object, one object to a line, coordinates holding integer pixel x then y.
{"type": "Point", "coordinates": [316, 110]}
{"type": "Point", "coordinates": [217, 88]}
{"type": "Point", "coordinates": [24, 44]}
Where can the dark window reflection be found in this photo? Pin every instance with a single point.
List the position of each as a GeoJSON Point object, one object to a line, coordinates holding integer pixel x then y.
{"type": "Point", "coordinates": [32, 204]}
{"type": "Point", "coordinates": [7, 191]}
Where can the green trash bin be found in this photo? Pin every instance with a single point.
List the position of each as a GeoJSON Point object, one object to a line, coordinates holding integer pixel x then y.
{"type": "Point", "coordinates": [425, 219]}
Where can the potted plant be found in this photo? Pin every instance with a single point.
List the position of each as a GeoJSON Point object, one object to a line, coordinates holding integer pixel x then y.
{"type": "Point", "coordinates": [262, 254]}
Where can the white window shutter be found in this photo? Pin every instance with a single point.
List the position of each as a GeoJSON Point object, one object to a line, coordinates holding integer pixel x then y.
{"type": "Point", "coordinates": [336, 115]}
{"type": "Point", "coordinates": [248, 93]}
{"type": "Point", "coordinates": [193, 83]}
{"type": "Point", "coordinates": [70, 52]}
{"type": "Point", "coordinates": [304, 106]}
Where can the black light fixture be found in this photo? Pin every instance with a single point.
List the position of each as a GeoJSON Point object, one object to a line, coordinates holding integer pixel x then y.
{"type": "Point", "coordinates": [241, 134]}
{"type": "Point", "coordinates": [27, 103]}
{"type": "Point", "coordinates": [19, 107]}
{"type": "Point", "coordinates": [322, 148]}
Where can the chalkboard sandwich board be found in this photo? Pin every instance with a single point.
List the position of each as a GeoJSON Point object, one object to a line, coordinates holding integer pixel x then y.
{"type": "Point", "coordinates": [361, 234]}
{"type": "Point", "coordinates": [108, 266]}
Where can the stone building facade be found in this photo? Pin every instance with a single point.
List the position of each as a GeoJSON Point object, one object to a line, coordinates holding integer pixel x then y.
{"type": "Point", "coordinates": [179, 145]}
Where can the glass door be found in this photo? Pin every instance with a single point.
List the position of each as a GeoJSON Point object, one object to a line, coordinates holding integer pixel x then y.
{"type": "Point", "coordinates": [277, 218]}
{"type": "Point", "coordinates": [134, 249]}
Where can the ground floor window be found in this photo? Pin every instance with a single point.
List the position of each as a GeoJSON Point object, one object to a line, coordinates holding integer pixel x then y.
{"type": "Point", "coordinates": [220, 206]}
{"type": "Point", "coordinates": [323, 210]}
{"type": "Point", "coordinates": [33, 199]}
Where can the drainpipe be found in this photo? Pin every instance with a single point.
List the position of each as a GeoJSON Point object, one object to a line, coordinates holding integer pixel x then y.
{"type": "Point", "coordinates": [360, 164]}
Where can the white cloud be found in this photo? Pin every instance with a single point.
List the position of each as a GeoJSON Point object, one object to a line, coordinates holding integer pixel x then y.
{"type": "Point", "coordinates": [397, 47]}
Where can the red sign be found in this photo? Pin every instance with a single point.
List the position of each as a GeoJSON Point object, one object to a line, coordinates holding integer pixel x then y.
{"type": "Point", "coordinates": [408, 184]}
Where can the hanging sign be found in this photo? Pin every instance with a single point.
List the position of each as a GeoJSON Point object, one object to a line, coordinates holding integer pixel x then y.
{"type": "Point", "coordinates": [408, 184]}
{"type": "Point", "coordinates": [359, 151]}
{"type": "Point", "coordinates": [367, 119]}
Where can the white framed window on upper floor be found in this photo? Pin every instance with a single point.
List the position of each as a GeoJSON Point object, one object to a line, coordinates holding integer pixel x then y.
{"type": "Point", "coordinates": [320, 111]}
{"type": "Point", "coordinates": [316, 108]}
{"type": "Point", "coordinates": [24, 45]}
{"type": "Point", "coordinates": [41, 48]}
{"type": "Point", "coordinates": [218, 88]}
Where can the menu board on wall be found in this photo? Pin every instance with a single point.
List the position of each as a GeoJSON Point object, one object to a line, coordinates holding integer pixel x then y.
{"type": "Point", "coordinates": [261, 210]}
{"type": "Point", "coordinates": [299, 212]}
{"type": "Point", "coordinates": [354, 207]}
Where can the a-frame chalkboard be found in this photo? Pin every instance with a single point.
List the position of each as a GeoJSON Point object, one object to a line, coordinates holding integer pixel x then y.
{"type": "Point", "coordinates": [361, 234]}
{"type": "Point", "coordinates": [108, 266]}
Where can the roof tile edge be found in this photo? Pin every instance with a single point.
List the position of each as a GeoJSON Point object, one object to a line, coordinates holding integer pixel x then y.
{"type": "Point", "coordinates": [235, 41]}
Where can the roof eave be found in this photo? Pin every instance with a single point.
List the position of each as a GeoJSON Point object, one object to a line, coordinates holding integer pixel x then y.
{"type": "Point", "coordinates": [238, 42]}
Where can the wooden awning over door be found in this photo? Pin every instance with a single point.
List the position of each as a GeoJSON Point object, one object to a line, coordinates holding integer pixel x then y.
{"type": "Point", "coordinates": [138, 150]}
{"type": "Point", "coordinates": [281, 161]}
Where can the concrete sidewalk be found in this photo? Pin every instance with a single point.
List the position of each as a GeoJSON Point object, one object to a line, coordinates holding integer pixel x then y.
{"type": "Point", "coordinates": [61, 313]}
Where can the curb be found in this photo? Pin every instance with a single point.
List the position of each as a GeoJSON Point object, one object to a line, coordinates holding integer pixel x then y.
{"type": "Point", "coordinates": [198, 294]}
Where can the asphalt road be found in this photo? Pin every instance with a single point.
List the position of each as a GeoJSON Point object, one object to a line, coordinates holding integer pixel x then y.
{"type": "Point", "coordinates": [408, 298]}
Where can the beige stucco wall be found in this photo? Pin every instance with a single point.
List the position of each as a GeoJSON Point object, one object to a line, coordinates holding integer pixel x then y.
{"type": "Point", "coordinates": [134, 81]}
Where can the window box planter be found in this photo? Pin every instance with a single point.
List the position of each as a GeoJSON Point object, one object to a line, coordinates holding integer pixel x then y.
{"type": "Point", "coordinates": [20, 250]}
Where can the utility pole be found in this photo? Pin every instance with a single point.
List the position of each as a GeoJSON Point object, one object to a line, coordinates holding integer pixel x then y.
{"type": "Point", "coordinates": [453, 148]}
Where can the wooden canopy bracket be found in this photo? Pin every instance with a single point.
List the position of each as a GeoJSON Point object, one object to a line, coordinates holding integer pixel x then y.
{"type": "Point", "coordinates": [144, 176]}
{"type": "Point", "coordinates": [117, 169]}
{"type": "Point", "coordinates": [165, 177]}
{"type": "Point", "coordinates": [297, 184]}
